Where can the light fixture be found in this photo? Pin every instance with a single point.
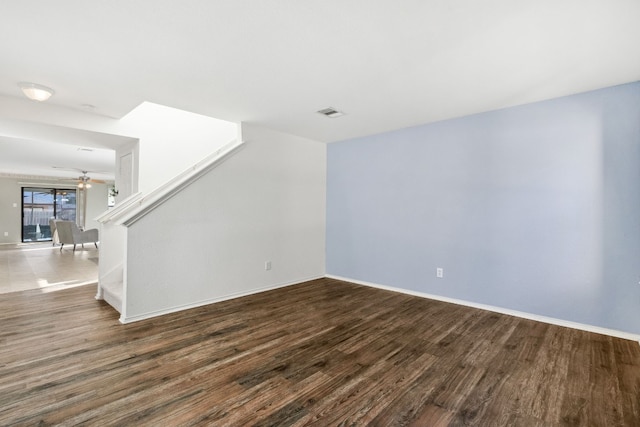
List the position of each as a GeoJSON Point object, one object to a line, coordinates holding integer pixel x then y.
{"type": "Point", "coordinates": [35, 91]}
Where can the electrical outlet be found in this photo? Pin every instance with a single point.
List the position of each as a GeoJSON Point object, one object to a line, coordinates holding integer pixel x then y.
{"type": "Point", "coordinates": [439, 273]}
{"type": "Point", "coordinates": [267, 265]}
{"type": "Point", "coordinates": [6, 233]}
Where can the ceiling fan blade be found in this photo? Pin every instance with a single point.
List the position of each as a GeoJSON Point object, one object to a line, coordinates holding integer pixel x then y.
{"type": "Point", "coordinates": [64, 168]}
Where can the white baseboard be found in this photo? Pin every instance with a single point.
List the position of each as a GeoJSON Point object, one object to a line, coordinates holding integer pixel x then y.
{"type": "Point", "coordinates": [529, 316]}
{"type": "Point", "coordinates": [137, 318]}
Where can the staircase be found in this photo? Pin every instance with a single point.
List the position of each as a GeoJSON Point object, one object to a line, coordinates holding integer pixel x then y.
{"type": "Point", "coordinates": [114, 223]}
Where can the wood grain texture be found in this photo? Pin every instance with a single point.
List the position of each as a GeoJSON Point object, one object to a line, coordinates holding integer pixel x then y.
{"type": "Point", "coordinates": [319, 353]}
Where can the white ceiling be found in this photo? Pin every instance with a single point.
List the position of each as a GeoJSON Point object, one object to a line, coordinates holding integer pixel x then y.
{"type": "Point", "coordinates": [386, 64]}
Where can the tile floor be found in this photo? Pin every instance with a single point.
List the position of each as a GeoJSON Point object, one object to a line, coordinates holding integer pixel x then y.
{"type": "Point", "coordinates": [26, 266]}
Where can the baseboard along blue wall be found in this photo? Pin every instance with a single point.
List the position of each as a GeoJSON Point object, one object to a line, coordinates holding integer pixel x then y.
{"type": "Point", "coordinates": [533, 208]}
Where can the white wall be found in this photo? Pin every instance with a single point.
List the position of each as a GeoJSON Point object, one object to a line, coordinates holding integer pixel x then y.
{"type": "Point", "coordinates": [10, 217]}
{"type": "Point", "coordinates": [171, 141]}
{"type": "Point", "coordinates": [96, 204]}
{"type": "Point", "coordinates": [210, 242]}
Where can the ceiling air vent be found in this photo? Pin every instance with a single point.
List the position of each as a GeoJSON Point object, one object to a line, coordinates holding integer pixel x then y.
{"type": "Point", "coordinates": [331, 112]}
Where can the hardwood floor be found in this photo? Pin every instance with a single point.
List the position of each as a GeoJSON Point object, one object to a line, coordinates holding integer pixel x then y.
{"type": "Point", "coordinates": [320, 353]}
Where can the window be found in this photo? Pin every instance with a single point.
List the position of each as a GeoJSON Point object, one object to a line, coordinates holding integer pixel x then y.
{"type": "Point", "coordinates": [39, 205]}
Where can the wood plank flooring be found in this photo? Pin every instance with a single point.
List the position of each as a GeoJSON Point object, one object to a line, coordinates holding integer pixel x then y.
{"type": "Point", "coordinates": [321, 353]}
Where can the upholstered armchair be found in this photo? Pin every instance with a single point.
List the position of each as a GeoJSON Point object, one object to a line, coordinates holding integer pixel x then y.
{"type": "Point", "coordinates": [69, 233]}
{"type": "Point", "coordinates": [54, 232]}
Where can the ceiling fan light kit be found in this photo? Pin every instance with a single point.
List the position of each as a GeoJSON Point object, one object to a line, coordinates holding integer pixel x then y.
{"type": "Point", "coordinates": [36, 92]}
{"type": "Point", "coordinates": [83, 181]}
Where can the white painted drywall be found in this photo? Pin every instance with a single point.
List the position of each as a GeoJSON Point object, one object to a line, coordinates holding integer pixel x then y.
{"type": "Point", "coordinates": [171, 141]}
{"type": "Point", "coordinates": [96, 204]}
{"type": "Point", "coordinates": [211, 241]}
{"type": "Point", "coordinates": [10, 216]}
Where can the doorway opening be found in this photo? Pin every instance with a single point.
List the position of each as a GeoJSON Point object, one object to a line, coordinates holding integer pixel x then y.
{"type": "Point", "coordinates": [39, 205]}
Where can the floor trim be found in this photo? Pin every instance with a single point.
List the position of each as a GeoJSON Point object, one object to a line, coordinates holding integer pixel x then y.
{"type": "Point", "coordinates": [521, 314]}
{"type": "Point", "coordinates": [139, 317]}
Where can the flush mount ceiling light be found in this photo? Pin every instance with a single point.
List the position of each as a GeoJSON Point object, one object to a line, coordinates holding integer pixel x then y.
{"type": "Point", "coordinates": [331, 112]}
{"type": "Point", "coordinates": [35, 91]}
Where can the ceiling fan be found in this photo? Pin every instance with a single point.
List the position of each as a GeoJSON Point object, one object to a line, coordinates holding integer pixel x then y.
{"type": "Point", "coordinates": [83, 181]}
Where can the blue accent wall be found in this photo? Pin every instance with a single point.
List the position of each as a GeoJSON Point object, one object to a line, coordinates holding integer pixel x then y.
{"type": "Point", "coordinates": [533, 208]}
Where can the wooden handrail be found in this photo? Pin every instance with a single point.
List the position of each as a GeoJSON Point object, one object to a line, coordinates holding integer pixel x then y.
{"type": "Point", "coordinates": [118, 209]}
{"type": "Point", "coordinates": [141, 205]}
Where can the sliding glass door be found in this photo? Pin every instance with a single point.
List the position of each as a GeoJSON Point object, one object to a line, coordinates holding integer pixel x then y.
{"type": "Point", "coordinates": [39, 205]}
